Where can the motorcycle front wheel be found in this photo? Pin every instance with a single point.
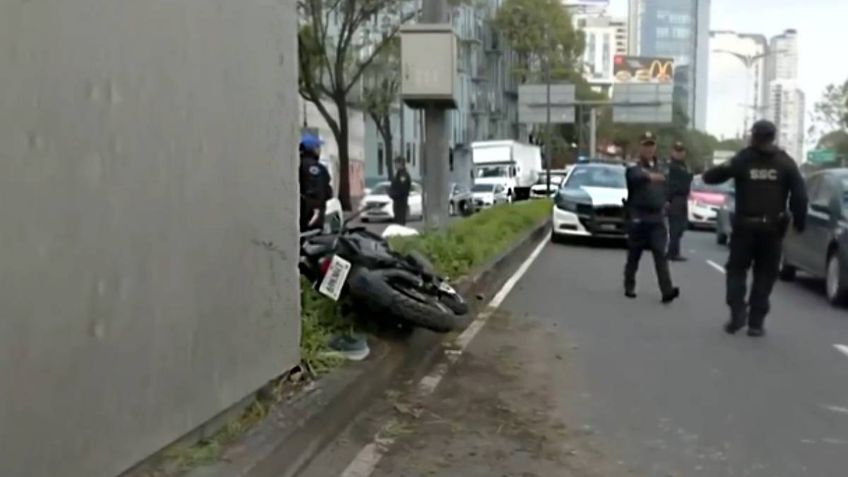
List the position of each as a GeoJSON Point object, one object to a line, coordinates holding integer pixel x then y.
{"type": "Point", "coordinates": [404, 301]}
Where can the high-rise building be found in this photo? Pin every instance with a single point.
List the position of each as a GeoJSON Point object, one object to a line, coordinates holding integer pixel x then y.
{"type": "Point", "coordinates": [786, 101]}
{"type": "Point", "coordinates": [786, 110]}
{"type": "Point", "coordinates": [605, 37]}
{"type": "Point", "coordinates": [737, 79]}
{"type": "Point", "coordinates": [677, 29]}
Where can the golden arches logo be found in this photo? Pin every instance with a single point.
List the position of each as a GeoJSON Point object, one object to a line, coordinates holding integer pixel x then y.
{"type": "Point", "coordinates": [661, 70]}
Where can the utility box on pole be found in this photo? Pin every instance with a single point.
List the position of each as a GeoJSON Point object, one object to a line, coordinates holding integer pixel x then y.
{"type": "Point", "coordinates": [428, 55]}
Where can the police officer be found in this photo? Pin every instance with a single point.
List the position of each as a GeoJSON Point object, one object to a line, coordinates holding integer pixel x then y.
{"type": "Point", "coordinates": [315, 184]}
{"type": "Point", "coordinates": [399, 191]}
{"type": "Point", "coordinates": [646, 208]}
{"type": "Point", "coordinates": [679, 184]}
{"type": "Point", "coordinates": [765, 176]}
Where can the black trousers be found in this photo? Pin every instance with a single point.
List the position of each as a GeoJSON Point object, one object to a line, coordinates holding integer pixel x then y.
{"type": "Point", "coordinates": [400, 207]}
{"type": "Point", "coordinates": [678, 221]}
{"type": "Point", "coordinates": [647, 235]}
{"type": "Point", "coordinates": [757, 246]}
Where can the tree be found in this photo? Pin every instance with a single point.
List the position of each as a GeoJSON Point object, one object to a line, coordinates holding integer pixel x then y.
{"type": "Point", "coordinates": [382, 85]}
{"type": "Point", "coordinates": [831, 112]}
{"type": "Point", "coordinates": [538, 32]}
{"type": "Point", "coordinates": [836, 141]}
{"type": "Point", "coordinates": [336, 45]}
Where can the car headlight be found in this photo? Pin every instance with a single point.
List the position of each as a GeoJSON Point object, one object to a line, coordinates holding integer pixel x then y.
{"type": "Point", "coordinates": [564, 204]}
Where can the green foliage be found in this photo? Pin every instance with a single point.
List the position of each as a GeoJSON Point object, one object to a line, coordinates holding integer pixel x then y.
{"type": "Point", "coordinates": [540, 31]}
{"type": "Point", "coordinates": [475, 241]}
{"type": "Point", "coordinates": [831, 112]}
{"type": "Point", "coordinates": [835, 140]}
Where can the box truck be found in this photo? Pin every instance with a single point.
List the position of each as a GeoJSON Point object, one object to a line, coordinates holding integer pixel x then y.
{"type": "Point", "coordinates": [514, 165]}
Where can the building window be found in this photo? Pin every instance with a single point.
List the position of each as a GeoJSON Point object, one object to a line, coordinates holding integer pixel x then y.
{"type": "Point", "coordinates": [607, 59]}
{"type": "Point", "coordinates": [414, 150]}
{"type": "Point", "coordinates": [450, 159]}
{"type": "Point", "coordinates": [408, 153]}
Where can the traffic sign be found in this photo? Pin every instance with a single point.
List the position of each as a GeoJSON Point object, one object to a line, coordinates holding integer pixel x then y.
{"type": "Point", "coordinates": [821, 156]}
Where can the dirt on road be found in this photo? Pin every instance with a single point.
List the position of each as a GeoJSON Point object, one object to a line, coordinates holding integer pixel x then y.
{"type": "Point", "coordinates": [498, 412]}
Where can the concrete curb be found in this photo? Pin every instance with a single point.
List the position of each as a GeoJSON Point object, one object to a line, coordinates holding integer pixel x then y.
{"type": "Point", "coordinates": [297, 430]}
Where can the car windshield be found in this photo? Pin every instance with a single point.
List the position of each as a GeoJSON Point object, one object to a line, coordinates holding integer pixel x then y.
{"type": "Point", "coordinates": [381, 189]}
{"type": "Point", "coordinates": [483, 188]}
{"type": "Point", "coordinates": [492, 171]}
{"type": "Point", "coordinates": [698, 185]}
{"type": "Point", "coordinates": [611, 177]}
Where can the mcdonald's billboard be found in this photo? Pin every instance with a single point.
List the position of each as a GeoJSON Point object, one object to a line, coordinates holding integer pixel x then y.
{"type": "Point", "coordinates": [643, 69]}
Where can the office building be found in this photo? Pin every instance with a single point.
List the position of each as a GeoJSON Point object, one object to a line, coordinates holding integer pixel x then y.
{"type": "Point", "coordinates": [487, 103]}
{"type": "Point", "coordinates": [786, 110]}
{"type": "Point", "coordinates": [786, 101]}
{"type": "Point", "coordinates": [605, 37]}
{"type": "Point", "coordinates": [738, 82]}
{"type": "Point", "coordinates": [677, 29]}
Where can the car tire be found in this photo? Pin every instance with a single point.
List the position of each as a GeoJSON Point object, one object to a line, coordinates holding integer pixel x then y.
{"type": "Point", "coordinates": [836, 289]}
{"type": "Point", "coordinates": [787, 271]}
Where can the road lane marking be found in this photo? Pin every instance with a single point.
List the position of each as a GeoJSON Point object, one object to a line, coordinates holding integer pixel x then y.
{"type": "Point", "coordinates": [716, 266]}
{"type": "Point", "coordinates": [837, 409]}
{"type": "Point", "coordinates": [367, 459]}
{"type": "Point", "coordinates": [841, 348]}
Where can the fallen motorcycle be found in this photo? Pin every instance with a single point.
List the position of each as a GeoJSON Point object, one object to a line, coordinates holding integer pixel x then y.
{"type": "Point", "coordinates": [361, 266]}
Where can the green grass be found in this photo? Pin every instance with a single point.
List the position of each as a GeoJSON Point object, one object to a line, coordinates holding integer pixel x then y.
{"type": "Point", "coordinates": [475, 241]}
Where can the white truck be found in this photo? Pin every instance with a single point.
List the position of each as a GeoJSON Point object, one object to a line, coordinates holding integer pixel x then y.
{"type": "Point", "coordinates": [514, 165]}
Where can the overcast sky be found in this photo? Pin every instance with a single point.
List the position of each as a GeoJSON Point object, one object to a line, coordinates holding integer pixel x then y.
{"type": "Point", "coordinates": [822, 33]}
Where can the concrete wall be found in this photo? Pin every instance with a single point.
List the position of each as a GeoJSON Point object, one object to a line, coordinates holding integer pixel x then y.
{"type": "Point", "coordinates": [145, 146]}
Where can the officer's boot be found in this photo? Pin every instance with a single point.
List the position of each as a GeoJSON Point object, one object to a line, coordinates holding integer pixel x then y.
{"type": "Point", "coordinates": [738, 320]}
{"type": "Point", "coordinates": [756, 326]}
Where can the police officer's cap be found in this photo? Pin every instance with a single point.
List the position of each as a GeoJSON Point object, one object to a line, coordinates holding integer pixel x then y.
{"type": "Point", "coordinates": [679, 146]}
{"type": "Point", "coordinates": [764, 129]}
{"type": "Point", "coordinates": [648, 139]}
{"type": "Point", "coordinates": [308, 142]}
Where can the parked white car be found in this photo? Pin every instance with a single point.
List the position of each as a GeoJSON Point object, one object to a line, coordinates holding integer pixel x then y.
{"type": "Point", "coordinates": [487, 195]}
{"type": "Point", "coordinates": [379, 203]}
{"type": "Point", "coordinates": [540, 188]}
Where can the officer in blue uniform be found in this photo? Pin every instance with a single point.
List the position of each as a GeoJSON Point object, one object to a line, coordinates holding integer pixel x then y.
{"type": "Point", "coordinates": [646, 210]}
{"type": "Point", "coordinates": [679, 185]}
{"type": "Point", "coordinates": [315, 184]}
{"type": "Point", "coordinates": [765, 177]}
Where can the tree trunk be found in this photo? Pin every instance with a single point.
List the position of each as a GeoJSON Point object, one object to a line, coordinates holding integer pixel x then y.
{"type": "Point", "coordinates": [388, 143]}
{"type": "Point", "coordinates": [343, 142]}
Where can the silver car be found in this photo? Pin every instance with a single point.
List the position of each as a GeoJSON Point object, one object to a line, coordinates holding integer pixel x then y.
{"type": "Point", "coordinates": [461, 200]}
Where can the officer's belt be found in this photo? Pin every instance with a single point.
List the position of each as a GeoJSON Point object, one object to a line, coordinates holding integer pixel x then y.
{"type": "Point", "coordinates": [761, 219]}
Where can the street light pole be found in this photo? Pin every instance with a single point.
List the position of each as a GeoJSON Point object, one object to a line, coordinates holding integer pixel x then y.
{"type": "Point", "coordinates": [434, 164]}
{"type": "Point", "coordinates": [548, 138]}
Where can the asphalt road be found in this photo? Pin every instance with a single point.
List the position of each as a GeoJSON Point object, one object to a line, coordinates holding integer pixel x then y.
{"type": "Point", "coordinates": [571, 378]}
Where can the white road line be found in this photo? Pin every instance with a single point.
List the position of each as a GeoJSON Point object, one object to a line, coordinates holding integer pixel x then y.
{"type": "Point", "coordinates": [365, 462]}
{"type": "Point", "coordinates": [716, 266]}
{"type": "Point", "coordinates": [841, 348]}
{"type": "Point", "coordinates": [837, 409]}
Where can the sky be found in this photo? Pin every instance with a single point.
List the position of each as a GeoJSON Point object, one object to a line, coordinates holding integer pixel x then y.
{"type": "Point", "coordinates": [822, 33]}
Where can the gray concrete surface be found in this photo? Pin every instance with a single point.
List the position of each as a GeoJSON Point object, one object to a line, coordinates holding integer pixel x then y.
{"type": "Point", "coordinates": [573, 379]}
{"type": "Point", "coordinates": [145, 148]}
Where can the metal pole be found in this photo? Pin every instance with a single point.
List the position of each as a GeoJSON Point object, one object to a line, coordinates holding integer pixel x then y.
{"type": "Point", "coordinates": [593, 132]}
{"type": "Point", "coordinates": [434, 164]}
{"type": "Point", "coordinates": [548, 138]}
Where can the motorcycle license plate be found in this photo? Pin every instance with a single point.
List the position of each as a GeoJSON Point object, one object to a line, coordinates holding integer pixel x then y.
{"type": "Point", "coordinates": [334, 280]}
{"type": "Point", "coordinates": [446, 288]}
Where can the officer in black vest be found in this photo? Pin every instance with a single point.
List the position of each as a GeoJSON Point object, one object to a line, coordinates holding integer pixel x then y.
{"type": "Point", "coordinates": [646, 210]}
{"type": "Point", "coordinates": [315, 184]}
{"type": "Point", "coordinates": [679, 184]}
{"type": "Point", "coordinates": [765, 177]}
